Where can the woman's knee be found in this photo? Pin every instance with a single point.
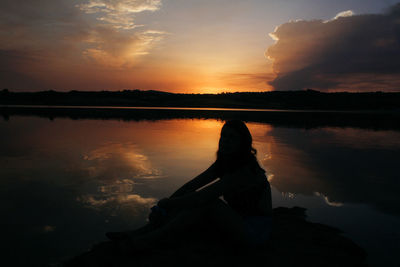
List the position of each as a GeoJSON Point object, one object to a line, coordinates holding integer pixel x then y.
{"type": "Point", "coordinates": [219, 207]}
{"type": "Point", "coordinates": [205, 212]}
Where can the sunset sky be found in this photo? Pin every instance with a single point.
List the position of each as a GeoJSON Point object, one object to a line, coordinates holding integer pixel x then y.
{"type": "Point", "coordinates": [200, 46]}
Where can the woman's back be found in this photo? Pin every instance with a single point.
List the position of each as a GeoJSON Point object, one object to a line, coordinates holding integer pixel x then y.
{"type": "Point", "coordinates": [247, 191]}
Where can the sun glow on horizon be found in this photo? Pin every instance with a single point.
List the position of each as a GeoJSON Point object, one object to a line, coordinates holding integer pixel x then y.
{"type": "Point", "coordinates": [198, 46]}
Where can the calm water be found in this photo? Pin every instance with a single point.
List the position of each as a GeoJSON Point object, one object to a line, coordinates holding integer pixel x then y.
{"type": "Point", "coordinates": [64, 183]}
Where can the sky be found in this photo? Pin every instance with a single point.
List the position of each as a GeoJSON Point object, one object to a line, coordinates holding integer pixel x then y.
{"type": "Point", "coordinates": [200, 46]}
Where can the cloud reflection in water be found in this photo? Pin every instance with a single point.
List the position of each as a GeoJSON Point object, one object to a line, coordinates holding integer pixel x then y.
{"type": "Point", "coordinates": [341, 165]}
{"type": "Point", "coordinates": [113, 169]}
{"type": "Point", "coordinates": [115, 161]}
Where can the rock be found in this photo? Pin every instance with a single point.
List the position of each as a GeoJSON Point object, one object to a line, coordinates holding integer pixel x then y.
{"type": "Point", "coordinates": [294, 242]}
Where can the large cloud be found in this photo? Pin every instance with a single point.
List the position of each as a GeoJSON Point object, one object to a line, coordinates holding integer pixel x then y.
{"type": "Point", "coordinates": [349, 52]}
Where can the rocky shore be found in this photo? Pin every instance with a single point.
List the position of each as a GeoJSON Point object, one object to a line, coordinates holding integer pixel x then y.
{"type": "Point", "coordinates": [294, 242]}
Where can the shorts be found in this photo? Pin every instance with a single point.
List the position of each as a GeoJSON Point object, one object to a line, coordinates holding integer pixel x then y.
{"type": "Point", "coordinates": [258, 229]}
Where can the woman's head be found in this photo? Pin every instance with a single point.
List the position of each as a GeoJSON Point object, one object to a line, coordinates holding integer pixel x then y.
{"type": "Point", "coordinates": [235, 147]}
{"type": "Point", "coordinates": [235, 139]}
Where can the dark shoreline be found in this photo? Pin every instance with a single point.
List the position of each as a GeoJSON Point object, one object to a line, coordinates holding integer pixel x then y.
{"type": "Point", "coordinates": [366, 119]}
{"type": "Point", "coordinates": [293, 100]}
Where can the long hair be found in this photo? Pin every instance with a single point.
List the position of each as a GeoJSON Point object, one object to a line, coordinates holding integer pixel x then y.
{"type": "Point", "coordinates": [244, 155]}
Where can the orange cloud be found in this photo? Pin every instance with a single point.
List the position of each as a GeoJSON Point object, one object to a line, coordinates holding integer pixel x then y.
{"type": "Point", "coordinates": [119, 13]}
{"type": "Point", "coordinates": [47, 44]}
{"type": "Point", "coordinates": [109, 47]}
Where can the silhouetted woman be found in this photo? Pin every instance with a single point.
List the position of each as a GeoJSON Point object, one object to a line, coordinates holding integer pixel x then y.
{"type": "Point", "coordinates": [244, 215]}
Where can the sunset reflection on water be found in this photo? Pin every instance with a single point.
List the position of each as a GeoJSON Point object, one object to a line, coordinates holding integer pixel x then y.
{"type": "Point", "coordinates": [114, 156]}
{"type": "Point", "coordinates": [76, 179]}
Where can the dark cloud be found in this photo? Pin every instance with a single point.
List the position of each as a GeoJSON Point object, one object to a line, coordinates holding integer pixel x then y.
{"type": "Point", "coordinates": [36, 36]}
{"type": "Point", "coordinates": [359, 52]}
{"type": "Point", "coordinates": [34, 23]}
{"type": "Point", "coordinates": [11, 62]}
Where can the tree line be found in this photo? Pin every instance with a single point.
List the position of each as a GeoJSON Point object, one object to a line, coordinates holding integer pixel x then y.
{"type": "Point", "coordinates": [303, 99]}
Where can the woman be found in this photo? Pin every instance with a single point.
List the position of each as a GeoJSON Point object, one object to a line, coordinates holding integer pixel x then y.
{"type": "Point", "coordinates": [244, 215]}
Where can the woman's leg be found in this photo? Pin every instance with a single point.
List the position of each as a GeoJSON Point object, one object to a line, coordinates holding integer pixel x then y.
{"type": "Point", "coordinates": [229, 222]}
{"type": "Point", "coordinates": [148, 227]}
{"type": "Point", "coordinates": [217, 213]}
{"type": "Point", "coordinates": [175, 225]}
{"type": "Point", "coordinates": [132, 233]}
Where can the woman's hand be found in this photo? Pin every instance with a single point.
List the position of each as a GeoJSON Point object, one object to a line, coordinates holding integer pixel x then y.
{"type": "Point", "coordinates": [164, 203]}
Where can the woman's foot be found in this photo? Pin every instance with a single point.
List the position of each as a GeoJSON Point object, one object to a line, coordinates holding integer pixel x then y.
{"type": "Point", "coordinates": [117, 236]}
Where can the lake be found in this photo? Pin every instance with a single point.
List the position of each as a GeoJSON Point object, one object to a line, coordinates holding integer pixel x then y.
{"type": "Point", "coordinates": [66, 180]}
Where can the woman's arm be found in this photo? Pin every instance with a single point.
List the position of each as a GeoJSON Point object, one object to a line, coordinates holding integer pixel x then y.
{"type": "Point", "coordinates": [194, 199]}
{"type": "Point", "coordinates": [199, 181]}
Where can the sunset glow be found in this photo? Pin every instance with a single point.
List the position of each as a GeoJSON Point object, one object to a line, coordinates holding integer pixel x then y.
{"type": "Point", "coordinates": [199, 46]}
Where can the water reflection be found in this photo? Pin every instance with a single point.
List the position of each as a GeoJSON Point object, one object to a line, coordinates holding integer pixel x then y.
{"type": "Point", "coordinates": [74, 180]}
{"type": "Point", "coordinates": [343, 165]}
{"type": "Point", "coordinates": [327, 201]}
{"type": "Point", "coordinates": [104, 159]}
{"type": "Point", "coordinates": [117, 203]}
{"type": "Point", "coordinates": [124, 159]}
{"type": "Point", "coordinates": [113, 169]}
